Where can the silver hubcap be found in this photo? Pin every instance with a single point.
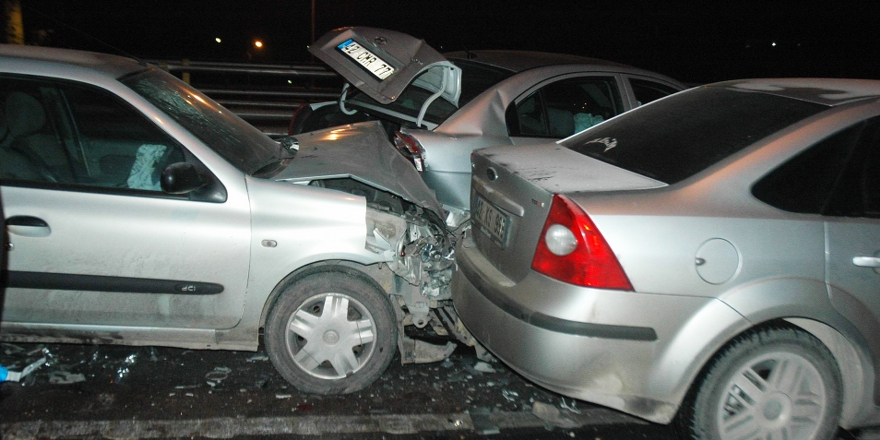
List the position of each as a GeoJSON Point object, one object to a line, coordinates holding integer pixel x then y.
{"type": "Point", "coordinates": [330, 336]}
{"type": "Point", "coordinates": [774, 396]}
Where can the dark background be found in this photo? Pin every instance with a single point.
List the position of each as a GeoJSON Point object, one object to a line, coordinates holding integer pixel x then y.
{"type": "Point", "coordinates": [696, 43]}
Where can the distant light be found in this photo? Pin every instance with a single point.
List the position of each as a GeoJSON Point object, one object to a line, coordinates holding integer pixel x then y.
{"type": "Point", "coordinates": [289, 81]}
{"type": "Point", "coordinates": [773, 44]}
{"type": "Point", "coordinates": [218, 40]}
{"type": "Point", "coordinates": [258, 44]}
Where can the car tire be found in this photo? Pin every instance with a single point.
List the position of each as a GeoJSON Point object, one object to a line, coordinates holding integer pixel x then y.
{"type": "Point", "coordinates": [774, 382]}
{"type": "Point", "coordinates": [331, 333]}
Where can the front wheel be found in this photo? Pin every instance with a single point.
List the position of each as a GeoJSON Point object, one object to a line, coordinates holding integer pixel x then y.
{"type": "Point", "coordinates": [773, 383]}
{"type": "Point", "coordinates": [331, 333]}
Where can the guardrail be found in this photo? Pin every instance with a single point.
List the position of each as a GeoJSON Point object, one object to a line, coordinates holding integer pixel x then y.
{"type": "Point", "coordinates": [266, 95]}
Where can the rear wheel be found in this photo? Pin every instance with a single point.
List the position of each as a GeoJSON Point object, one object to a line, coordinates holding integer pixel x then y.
{"type": "Point", "coordinates": [331, 333]}
{"type": "Point", "coordinates": [774, 383]}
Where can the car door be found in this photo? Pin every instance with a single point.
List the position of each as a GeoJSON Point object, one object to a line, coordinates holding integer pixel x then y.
{"type": "Point", "coordinates": [853, 238]}
{"type": "Point", "coordinates": [93, 241]}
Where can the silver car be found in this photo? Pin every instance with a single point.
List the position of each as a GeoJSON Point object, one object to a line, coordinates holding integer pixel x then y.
{"type": "Point", "coordinates": [712, 256]}
{"type": "Point", "coordinates": [438, 108]}
{"type": "Point", "coordinates": [140, 212]}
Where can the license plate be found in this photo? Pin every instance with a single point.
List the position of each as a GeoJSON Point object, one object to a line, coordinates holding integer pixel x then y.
{"type": "Point", "coordinates": [491, 220]}
{"type": "Point", "coordinates": [368, 60]}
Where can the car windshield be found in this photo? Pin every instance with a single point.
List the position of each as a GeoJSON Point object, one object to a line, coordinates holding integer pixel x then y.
{"type": "Point", "coordinates": [245, 147]}
{"type": "Point", "coordinates": [677, 137]}
{"type": "Point", "coordinates": [475, 79]}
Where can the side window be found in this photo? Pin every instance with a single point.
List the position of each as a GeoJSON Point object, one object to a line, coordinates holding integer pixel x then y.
{"type": "Point", "coordinates": [858, 192]}
{"type": "Point", "coordinates": [805, 183]}
{"type": "Point", "coordinates": [80, 135]}
{"type": "Point", "coordinates": [565, 107]}
{"type": "Point", "coordinates": [647, 91]}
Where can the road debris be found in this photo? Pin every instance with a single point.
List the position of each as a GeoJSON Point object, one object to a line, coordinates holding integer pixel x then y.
{"type": "Point", "coordinates": [553, 417]}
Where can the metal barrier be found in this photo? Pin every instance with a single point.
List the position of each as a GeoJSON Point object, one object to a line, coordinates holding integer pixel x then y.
{"type": "Point", "coordinates": [266, 95]}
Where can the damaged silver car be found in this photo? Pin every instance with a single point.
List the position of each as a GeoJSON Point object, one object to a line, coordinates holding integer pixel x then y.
{"type": "Point", "coordinates": [438, 108]}
{"type": "Point", "coordinates": [141, 212]}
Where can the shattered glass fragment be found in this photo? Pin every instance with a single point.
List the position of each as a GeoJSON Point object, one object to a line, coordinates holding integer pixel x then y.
{"type": "Point", "coordinates": [484, 367]}
{"type": "Point", "coordinates": [510, 395]}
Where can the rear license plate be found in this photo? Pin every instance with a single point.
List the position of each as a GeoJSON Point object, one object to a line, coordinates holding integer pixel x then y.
{"type": "Point", "coordinates": [368, 60]}
{"type": "Point", "coordinates": [491, 220]}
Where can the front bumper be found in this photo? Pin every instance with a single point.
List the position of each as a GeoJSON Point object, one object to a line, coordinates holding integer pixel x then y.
{"type": "Point", "coordinates": [630, 351]}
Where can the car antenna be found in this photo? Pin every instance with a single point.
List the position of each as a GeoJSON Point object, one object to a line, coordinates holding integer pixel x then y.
{"type": "Point", "coordinates": [102, 42]}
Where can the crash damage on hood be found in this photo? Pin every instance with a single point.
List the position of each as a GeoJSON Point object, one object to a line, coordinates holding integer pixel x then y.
{"type": "Point", "coordinates": [404, 224]}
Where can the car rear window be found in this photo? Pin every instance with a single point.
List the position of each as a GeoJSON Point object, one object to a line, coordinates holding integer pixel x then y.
{"type": "Point", "coordinates": [677, 137]}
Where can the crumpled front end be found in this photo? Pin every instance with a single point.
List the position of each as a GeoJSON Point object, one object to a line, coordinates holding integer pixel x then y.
{"type": "Point", "coordinates": [404, 224]}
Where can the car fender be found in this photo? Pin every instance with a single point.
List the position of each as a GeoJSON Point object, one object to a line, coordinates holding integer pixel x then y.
{"type": "Point", "coordinates": [294, 226]}
{"type": "Point", "coordinates": [798, 300]}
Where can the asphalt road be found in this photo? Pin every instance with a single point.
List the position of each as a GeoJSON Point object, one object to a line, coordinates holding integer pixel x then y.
{"type": "Point", "coordinates": [144, 392]}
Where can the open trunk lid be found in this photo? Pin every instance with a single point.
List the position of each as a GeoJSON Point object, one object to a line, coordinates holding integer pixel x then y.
{"type": "Point", "coordinates": [381, 63]}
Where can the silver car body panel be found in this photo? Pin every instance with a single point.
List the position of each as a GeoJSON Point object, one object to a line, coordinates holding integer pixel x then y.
{"type": "Point", "coordinates": [412, 59]}
{"type": "Point", "coordinates": [264, 231]}
{"type": "Point", "coordinates": [659, 235]}
{"type": "Point", "coordinates": [481, 123]}
{"type": "Point", "coordinates": [362, 152]}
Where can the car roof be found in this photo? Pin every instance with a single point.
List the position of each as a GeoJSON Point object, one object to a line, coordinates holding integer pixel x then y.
{"type": "Point", "coordinates": [826, 91]}
{"type": "Point", "coordinates": [520, 60]}
{"type": "Point", "coordinates": [52, 62]}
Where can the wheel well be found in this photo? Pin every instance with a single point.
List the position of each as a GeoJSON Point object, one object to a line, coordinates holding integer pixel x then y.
{"type": "Point", "coordinates": [849, 363]}
{"type": "Point", "coordinates": [373, 274]}
{"type": "Point", "coordinates": [845, 354]}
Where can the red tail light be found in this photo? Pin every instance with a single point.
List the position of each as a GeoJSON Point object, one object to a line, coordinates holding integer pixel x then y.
{"type": "Point", "coordinates": [300, 113]}
{"type": "Point", "coordinates": [411, 149]}
{"type": "Point", "coordinates": [572, 250]}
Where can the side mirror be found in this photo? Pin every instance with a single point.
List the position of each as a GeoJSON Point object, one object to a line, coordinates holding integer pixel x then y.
{"type": "Point", "coordinates": [181, 178]}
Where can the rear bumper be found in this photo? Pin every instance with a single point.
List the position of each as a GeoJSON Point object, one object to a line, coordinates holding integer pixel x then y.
{"type": "Point", "coordinates": [618, 349]}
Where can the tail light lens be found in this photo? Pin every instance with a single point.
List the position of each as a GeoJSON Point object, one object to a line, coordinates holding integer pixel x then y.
{"type": "Point", "coordinates": [572, 250]}
{"type": "Point", "coordinates": [296, 121]}
{"type": "Point", "coordinates": [411, 149]}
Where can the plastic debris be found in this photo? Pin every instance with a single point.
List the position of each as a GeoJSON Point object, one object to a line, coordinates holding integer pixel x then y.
{"type": "Point", "coordinates": [484, 367]}
{"type": "Point", "coordinates": [16, 376]}
{"type": "Point", "coordinates": [552, 417]}
{"type": "Point", "coordinates": [65, 377]}
{"type": "Point", "coordinates": [218, 375]}
{"type": "Point", "coordinates": [258, 358]}
{"type": "Point", "coordinates": [571, 407]}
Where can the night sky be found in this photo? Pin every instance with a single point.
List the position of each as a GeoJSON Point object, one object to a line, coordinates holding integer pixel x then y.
{"type": "Point", "coordinates": [693, 43]}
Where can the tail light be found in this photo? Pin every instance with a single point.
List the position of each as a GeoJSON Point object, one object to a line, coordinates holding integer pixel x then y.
{"type": "Point", "coordinates": [299, 116]}
{"type": "Point", "coordinates": [411, 149]}
{"type": "Point", "coordinates": [572, 250]}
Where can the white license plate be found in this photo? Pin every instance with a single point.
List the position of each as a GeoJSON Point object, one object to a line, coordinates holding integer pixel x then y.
{"type": "Point", "coordinates": [368, 60]}
{"type": "Point", "coordinates": [491, 219]}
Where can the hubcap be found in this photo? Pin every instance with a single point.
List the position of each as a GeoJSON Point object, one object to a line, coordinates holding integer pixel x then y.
{"type": "Point", "coordinates": [330, 336]}
{"type": "Point", "coordinates": [777, 395]}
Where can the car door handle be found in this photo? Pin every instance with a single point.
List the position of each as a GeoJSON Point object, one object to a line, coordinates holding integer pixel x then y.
{"type": "Point", "coordinates": [867, 261]}
{"type": "Point", "coordinates": [27, 226]}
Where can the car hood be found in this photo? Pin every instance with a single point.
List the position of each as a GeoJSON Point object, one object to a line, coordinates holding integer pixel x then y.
{"type": "Point", "coordinates": [559, 170]}
{"type": "Point", "coordinates": [361, 152]}
{"type": "Point", "coordinates": [381, 63]}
